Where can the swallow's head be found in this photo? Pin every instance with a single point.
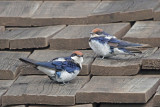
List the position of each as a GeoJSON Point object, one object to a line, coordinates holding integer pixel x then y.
{"type": "Point", "coordinates": [96, 32]}
{"type": "Point", "coordinates": [77, 56]}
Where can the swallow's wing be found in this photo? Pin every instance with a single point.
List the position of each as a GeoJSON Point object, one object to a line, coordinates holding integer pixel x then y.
{"type": "Point", "coordinates": [46, 64]}
{"type": "Point", "coordinates": [108, 35]}
{"type": "Point", "coordinates": [114, 42]}
{"type": "Point", "coordinates": [68, 66]}
{"type": "Point", "coordinates": [101, 39]}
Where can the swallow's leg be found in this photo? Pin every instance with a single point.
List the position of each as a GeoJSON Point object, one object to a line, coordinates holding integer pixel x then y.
{"type": "Point", "coordinates": [134, 54]}
{"type": "Point", "coordinates": [67, 82]}
{"type": "Point", "coordinates": [50, 78]}
{"type": "Point", "coordinates": [62, 83]}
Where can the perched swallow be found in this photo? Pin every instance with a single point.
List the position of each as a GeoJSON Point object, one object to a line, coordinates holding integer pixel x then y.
{"type": "Point", "coordinates": [106, 45]}
{"type": "Point", "coordinates": [60, 69]}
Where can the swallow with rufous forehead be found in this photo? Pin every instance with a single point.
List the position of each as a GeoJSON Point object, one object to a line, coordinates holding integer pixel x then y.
{"type": "Point", "coordinates": [106, 45]}
{"type": "Point", "coordinates": [61, 69]}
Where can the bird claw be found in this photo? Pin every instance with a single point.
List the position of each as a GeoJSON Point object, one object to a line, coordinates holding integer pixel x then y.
{"type": "Point", "coordinates": [64, 83]}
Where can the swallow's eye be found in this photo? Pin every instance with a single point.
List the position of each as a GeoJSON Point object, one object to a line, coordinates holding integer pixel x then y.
{"type": "Point", "coordinates": [73, 54]}
{"type": "Point", "coordinates": [80, 55]}
{"type": "Point", "coordinates": [99, 33]}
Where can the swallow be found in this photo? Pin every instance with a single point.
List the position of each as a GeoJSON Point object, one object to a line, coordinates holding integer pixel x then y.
{"type": "Point", "coordinates": [106, 45]}
{"type": "Point", "coordinates": [62, 69]}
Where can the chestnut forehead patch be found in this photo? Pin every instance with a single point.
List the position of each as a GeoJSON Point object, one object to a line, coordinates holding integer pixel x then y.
{"type": "Point", "coordinates": [97, 30]}
{"type": "Point", "coordinates": [78, 53]}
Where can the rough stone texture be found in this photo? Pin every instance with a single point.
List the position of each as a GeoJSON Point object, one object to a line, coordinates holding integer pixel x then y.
{"type": "Point", "coordinates": [146, 32]}
{"type": "Point", "coordinates": [17, 106]}
{"type": "Point", "coordinates": [17, 13]}
{"type": "Point", "coordinates": [47, 55]}
{"type": "Point", "coordinates": [120, 65]}
{"type": "Point", "coordinates": [77, 105]}
{"type": "Point", "coordinates": [125, 10]}
{"type": "Point", "coordinates": [19, 38]}
{"type": "Point", "coordinates": [150, 103]}
{"type": "Point", "coordinates": [34, 37]}
{"type": "Point", "coordinates": [77, 36]}
{"type": "Point", "coordinates": [6, 36]}
{"type": "Point", "coordinates": [156, 98]}
{"type": "Point", "coordinates": [4, 85]}
{"type": "Point", "coordinates": [41, 90]}
{"type": "Point", "coordinates": [112, 89]}
{"type": "Point", "coordinates": [157, 14]}
{"type": "Point", "coordinates": [152, 62]}
{"type": "Point", "coordinates": [38, 13]}
{"type": "Point", "coordinates": [2, 29]}
{"type": "Point", "coordinates": [10, 64]}
{"type": "Point", "coordinates": [63, 12]}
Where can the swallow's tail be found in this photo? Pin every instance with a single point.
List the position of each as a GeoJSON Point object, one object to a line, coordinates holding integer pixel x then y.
{"type": "Point", "coordinates": [126, 51]}
{"type": "Point", "coordinates": [42, 66]}
{"type": "Point", "coordinates": [29, 61]}
{"type": "Point", "coordinates": [145, 46]}
{"type": "Point", "coordinates": [139, 45]}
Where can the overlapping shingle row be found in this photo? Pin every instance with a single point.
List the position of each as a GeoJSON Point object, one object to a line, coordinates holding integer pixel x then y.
{"type": "Point", "coordinates": [123, 81]}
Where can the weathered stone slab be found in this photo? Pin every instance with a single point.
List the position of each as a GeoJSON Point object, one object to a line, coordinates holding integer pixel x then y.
{"type": "Point", "coordinates": [6, 36]}
{"type": "Point", "coordinates": [34, 37]}
{"type": "Point", "coordinates": [123, 10]}
{"type": "Point", "coordinates": [4, 85]}
{"type": "Point", "coordinates": [77, 105]}
{"type": "Point", "coordinates": [112, 89]}
{"type": "Point", "coordinates": [41, 90]}
{"type": "Point", "coordinates": [139, 10]}
{"type": "Point", "coordinates": [63, 12]}
{"type": "Point", "coordinates": [146, 32]}
{"type": "Point", "coordinates": [39, 13]}
{"type": "Point", "coordinates": [2, 28]}
{"type": "Point", "coordinates": [156, 98]}
{"type": "Point", "coordinates": [150, 103]}
{"type": "Point", "coordinates": [77, 36]}
{"type": "Point", "coordinates": [47, 55]}
{"type": "Point", "coordinates": [157, 14]}
{"type": "Point", "coordinates": [152, 62]}
{"type": "Point", "coordinates": [17, 13]}
{"type": "Point", "coordinates": [9, 63]}
{"type": "Point", "coordinates": [120, 65]}
{"type": "Point", "coordinates": [18, 106]}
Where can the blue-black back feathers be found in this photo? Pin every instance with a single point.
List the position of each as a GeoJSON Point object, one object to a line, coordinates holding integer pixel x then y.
{"type": "Point", "coordinates": [69, 66]}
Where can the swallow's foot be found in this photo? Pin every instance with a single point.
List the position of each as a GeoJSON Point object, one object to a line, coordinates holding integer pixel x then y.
{"type": "Point", "coordinates": [62, 84]}
{"type": "Point", "coordinates": [133, 54]}
{"type": "Point", "coordinates": [67, 82]}
{"type": "Point", "coordinates": [50, 78]}
{"type": "Point", "coordinates": [102, 57]}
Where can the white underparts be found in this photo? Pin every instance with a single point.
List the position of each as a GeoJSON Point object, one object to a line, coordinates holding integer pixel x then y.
{"type": "Point", "coordinates": [99, 48]}
{"type": "Point", "coordinates": [47, 71]}
{"type": "Point", "coordinates": [65, 76]}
